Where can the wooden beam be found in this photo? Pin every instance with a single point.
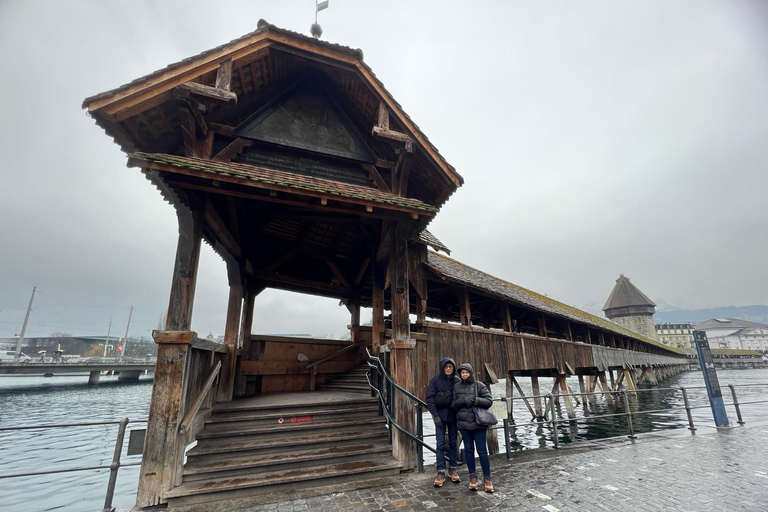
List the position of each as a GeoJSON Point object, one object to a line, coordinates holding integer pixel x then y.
{"type": "Point", "coordinates": [386, 133]}
{"type": "Point", "coordinates": [279, 261]}
{"type": "Point", "coordinates": [542, 325]}
{"type": "Point", "coordinates": [506, 318]}
{"type": "Point", "coordinates": [212, 93]}
{"type": "Point", "coordinates": [465, 310]}
{"type": "Point", "coordinates": [375, 177]}
{"type": "Point", "coordinates": [303, 285]}
{"type": "Point", "coordinates": [292, 367]}
{"type": "Point", "coordinates": [217, 225]}
{"type": "Point", "coordinates": [221, 129]}
{"type": "Point", "coordinates": [224, 77]}
{"type": "Point", "coordinates": [232, 150]}
{"type": "Point", "coordinates": [337, 273]}
{"type": "Point", "coordinates": [361, 272]}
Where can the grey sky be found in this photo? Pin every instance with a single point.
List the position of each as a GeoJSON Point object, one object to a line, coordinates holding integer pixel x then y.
{"type": "Point", "coordinates": [595, 138]}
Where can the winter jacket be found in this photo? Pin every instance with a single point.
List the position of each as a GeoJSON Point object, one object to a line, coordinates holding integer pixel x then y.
{"type": "Point", "coordinates": [465, 416]}
{"type": "Point", "coordinates": [440, 393]}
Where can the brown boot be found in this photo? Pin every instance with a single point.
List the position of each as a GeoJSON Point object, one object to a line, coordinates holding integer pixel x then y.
{"type": "Point", "coordinates": [488, 485]}
{"type": "Point", "coordinates": [439, 479]}
{"type": "Point", "coordinates": [453, 475]}
{"type": "Point", "coordinates": [472, 482]}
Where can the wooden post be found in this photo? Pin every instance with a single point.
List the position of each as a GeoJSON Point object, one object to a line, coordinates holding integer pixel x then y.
{"type": "Point", "coordinates": [604, 387]}
{"type": "Point", "coordinates": [249, 299]}
{"type": "Point", "coordinates": [510, 394]}
{"type": "Point", "coordinates": [377, 325]}
{"type": "Point", "coordinates": [492, 436]}
{"type": "Point", "coordinates": [536, 393]}
{"type": "Point", "coordinates": [582, 391]}
{"type": "Point", "coordinates": [564, 392]}
{"type": "Point", "coordinates": [542, 325]}
{"type": "Point", "coordinates": [613, 382]}
{"type": "Point", "coordinates": [160, 463]}
{"type": "Point", "coordinates": [506, 318]}
{"type": "Point", "coordinates": [465, 310]}
{"type": "Point", "coordinates": [234, 308]}
{"type": "Point", "coordinates": [185, 270]}
{"type": "Point", "coordinates": [401, 347]}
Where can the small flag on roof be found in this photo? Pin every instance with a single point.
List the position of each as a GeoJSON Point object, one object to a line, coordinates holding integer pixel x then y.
{"type": "Point", "coordinates": [322, 5]}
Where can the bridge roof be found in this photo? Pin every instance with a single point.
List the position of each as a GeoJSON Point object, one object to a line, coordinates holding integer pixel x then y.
{"type": "Point", "coordinates": [458, 272]}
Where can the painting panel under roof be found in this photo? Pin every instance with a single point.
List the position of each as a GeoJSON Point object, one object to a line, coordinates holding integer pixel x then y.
{"type": "Point", "coordinates": [307, 119]}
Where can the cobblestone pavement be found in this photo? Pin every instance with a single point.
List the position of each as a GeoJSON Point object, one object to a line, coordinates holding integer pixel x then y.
{"type": "Point", "coordinates": [710, 471]}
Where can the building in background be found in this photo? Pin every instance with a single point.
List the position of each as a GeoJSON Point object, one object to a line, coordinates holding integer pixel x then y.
{"type": "Point", "coordinates": [675, 335]}
{"type": "Point", "coordinates": [630, 308]}
{"type": "Point", "coordinates": [735, 334]}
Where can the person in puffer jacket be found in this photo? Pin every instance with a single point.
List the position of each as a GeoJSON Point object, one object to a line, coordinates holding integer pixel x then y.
{"type": "Point", "coordinates": [439, 397]}
{"type": "Point", "coordinates": [469, 393]}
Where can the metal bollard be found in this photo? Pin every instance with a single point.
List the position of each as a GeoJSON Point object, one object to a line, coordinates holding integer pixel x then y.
{"type": "Point", "coordinates": [553, 420]}
{"type": "Point", "coordinates": [115, 466]}
{"type": "Point", "coordinates": [420, 435]}
{"type": "Point", "coordinates": [688, 410]}
{"type": "Point", "coordinates": [736, 404]}
{"type": "Point", "coordinates": [625, 394]}
{"type": "Point", "coordinates": [506, 438]}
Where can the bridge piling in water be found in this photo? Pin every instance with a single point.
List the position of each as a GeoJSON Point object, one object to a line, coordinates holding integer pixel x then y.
{"type": "Point", "coordinates": [93, 377]}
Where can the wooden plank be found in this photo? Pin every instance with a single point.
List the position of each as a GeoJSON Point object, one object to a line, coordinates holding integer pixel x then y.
{"type": "Point", "coordinates": [223, 96]}
{"type": "Point", "coordinates": [226, 387]}
{"type": "Point", "coordinates": [292, 367]}
{"type": "Point", "coordinates": [259, 338]}
{"type": "Point", "coordinates": [208, 345]}
{"type": "Point", "coordinates": [386, 133]}
{"type": "Point", "coordinates": [173, 336]}
{"type": "Point", "coordinates": [224, 77]}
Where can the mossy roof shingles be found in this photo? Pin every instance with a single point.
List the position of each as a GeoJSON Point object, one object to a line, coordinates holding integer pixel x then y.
{"type": "Point", "coordinates": [272, 177]}
{"type": "Point", "coordinates": [458, 272]}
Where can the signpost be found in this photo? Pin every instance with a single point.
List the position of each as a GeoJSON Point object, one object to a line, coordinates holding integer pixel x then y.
{"type": "Point", "coordinates": [710, 378]}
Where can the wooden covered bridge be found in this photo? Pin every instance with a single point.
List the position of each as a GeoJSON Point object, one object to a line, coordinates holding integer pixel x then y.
{"type": "Point", "coordinates": [289, 157]}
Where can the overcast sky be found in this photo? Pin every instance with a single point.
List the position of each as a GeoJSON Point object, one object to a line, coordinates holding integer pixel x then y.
{"type": "Point", "coordinates": [595, 138]}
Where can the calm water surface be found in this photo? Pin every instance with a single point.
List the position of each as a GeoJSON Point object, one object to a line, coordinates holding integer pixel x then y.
{"type": "Point", "coordinates": [38, 400]}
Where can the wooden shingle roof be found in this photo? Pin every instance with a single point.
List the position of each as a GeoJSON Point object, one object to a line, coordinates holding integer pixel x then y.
{"type": "Point", "coordinates": [452, 270]}
{"type": "Point", "coordinates": [625, 294]}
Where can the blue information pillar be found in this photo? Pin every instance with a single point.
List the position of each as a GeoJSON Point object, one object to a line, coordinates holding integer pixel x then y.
{"type": "Point", "coordinates": [710, 378]}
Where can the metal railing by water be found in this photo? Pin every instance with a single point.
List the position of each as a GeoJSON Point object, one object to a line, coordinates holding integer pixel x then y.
{"type": "Point", "coordinates": [114, 467]}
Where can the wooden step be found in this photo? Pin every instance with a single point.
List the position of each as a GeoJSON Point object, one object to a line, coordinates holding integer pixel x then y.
{"type": "Point", "coordinates": [244, 405]}
{"type": "Point", "coordinates": [346, 387]}
{"type": "Point", "coordinates": [289, 412]}
{"type": "Point", "coordinates": [266, 429]}
{"type": "Point", "coordinates": [290, 490]}
{"type": "Point", "coordinates": [279, 461]}
{"type": "Point", "coordinates": [217, 485]}
{"type": "Point", "coordinates": [288, 439]}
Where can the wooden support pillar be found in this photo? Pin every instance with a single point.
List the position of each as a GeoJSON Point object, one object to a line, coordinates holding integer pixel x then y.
{"type": "Point", "coordinates": [510, 393]}
{"type": "Point", "coordinates": [613, 382]}
{"type": "Point", "coordinates": [160, 465]}
{"type": "Point", "coordinates": [591, 387]}
{"type": "Point", "coordinates": [587, 336]}
{"type": "Point", "coordinates": [492, 437]}
{"type": "Point", "coordinates": [564, 390]}
{"type": "Point", "coordinates": [226, 387]}
{"type": "Point", "coordinates": [604, 387]}
{"type": "Point", "coordinates": [582, 390]}
{"type": "Point", "coordinates": [568, 333]}
{"type": "Point", "coordinates": [185, 270]}
{"type": "Point", "coordinates": [401, 346]}
{"type": "Point", "coordinates": [542, 325]}
{"type": "Point", "coordinates": [506, 318]}
{"type": "Point", "coordinates": [630, 378]}
{"type": "Point", "coordinates": [249, 298]}
{"type": "Point", "coordinates": [465, 311]}
{"type": "Point", "coordinates": [536, 400]}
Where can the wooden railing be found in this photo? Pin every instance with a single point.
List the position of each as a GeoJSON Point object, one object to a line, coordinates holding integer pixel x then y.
{"type": "Point", "coordinates": [312, 367]}
{"type": "Point", "coordinates": [186, 372]}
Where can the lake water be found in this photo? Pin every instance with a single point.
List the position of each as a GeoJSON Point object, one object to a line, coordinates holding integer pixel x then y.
{"type": "Point", "coordinates": [38, 400]}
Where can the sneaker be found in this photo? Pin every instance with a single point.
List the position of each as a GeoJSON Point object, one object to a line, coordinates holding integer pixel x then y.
{"type": "Point", "coordinates": [439, 479]}
{"type": "Point", "coordinates": [488, 485]}
{"type": "Point", "coordinates": [453, 475]}
{"type": "Point", "coordinates": [472, 482]}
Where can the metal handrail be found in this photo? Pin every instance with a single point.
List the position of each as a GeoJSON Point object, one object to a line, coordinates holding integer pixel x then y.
{"type": "Point", "coordinates": [385, 406]}
{"type": "Point", "coordinates": [113, 467]}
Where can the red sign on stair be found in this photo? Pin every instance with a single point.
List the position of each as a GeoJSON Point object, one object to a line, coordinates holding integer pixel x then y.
{"type": "Point", "coordinates": [301, 419]}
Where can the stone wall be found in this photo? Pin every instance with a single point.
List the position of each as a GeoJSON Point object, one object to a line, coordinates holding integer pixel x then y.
{"type": "Point", "coordinates": [640, 324]}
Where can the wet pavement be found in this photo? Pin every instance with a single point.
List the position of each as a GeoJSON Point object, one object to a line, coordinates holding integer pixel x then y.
{"type": "Point", "coordinates": [710, 471]}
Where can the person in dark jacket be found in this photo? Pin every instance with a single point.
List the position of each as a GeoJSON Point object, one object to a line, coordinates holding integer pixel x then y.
{"type": "Point", "coordinates": [439, 397]}
{"type": "Point", "coordinates": [469, 393]}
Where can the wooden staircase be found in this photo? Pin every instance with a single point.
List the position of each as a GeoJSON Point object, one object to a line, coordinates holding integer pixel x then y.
{"type": "Point", "coordinates": [353, 381]}
{"type": "Point", "coordinates": [287, 442]}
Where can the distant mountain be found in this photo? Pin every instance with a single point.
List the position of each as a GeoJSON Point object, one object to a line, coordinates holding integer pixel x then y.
{"type": "Point", "coordinates": [757, 314]}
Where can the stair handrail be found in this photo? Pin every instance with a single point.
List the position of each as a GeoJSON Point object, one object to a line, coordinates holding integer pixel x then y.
{"type": "Point", "coordinates": [190, 416]}
{"type": "Point", "coordinates": [384, 407]}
